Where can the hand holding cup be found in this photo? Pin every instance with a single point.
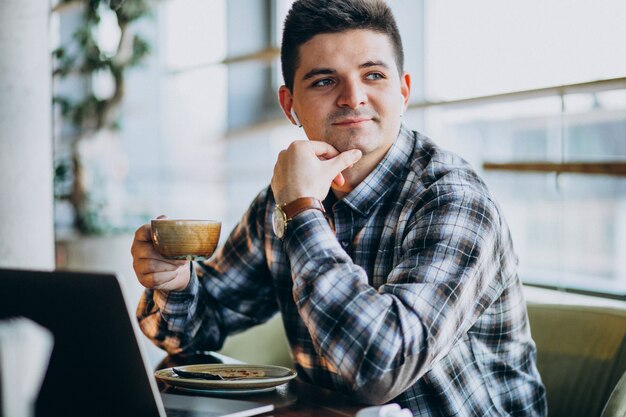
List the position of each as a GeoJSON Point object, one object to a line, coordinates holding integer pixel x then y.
{"type": "Point", "coordinates": [161, 253]}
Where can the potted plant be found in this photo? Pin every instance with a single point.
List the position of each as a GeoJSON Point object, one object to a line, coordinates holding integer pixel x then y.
{"type": "Point", "coordinates": [90, 176]}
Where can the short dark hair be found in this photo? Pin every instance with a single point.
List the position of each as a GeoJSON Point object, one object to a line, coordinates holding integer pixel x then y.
{"type": "Point", "coordinates": [308, 18]}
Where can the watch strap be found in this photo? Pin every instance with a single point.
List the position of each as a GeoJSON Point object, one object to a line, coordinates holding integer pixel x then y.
{"type": "Point", "coordinates": [298, 205]}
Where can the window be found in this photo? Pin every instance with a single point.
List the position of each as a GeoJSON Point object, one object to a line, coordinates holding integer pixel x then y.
{"type": "Point", "coordinates": [252, 63]}
{"type": "Point", "coordinates": [555, 158]}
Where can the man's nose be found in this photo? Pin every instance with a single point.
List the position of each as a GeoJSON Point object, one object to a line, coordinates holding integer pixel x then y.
{"type": "Point", "coordinates": [352, 95]}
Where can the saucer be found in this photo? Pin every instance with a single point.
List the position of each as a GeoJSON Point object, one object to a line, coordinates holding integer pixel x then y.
{"type": "Point", "coordinates": [261, 377]}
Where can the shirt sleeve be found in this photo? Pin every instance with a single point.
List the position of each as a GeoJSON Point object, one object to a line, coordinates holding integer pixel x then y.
{"type": "Point", "coordinates": [381, 341]}
{"type": "Point", "coordinates": [228, 293]}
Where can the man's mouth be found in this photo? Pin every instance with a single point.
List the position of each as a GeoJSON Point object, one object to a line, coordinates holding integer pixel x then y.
{"type": "Point", "coordinates": [350, 122]}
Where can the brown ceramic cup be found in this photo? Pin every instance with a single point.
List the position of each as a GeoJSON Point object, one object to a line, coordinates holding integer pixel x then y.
{"type": "Point", "coordinates": [185, 239]}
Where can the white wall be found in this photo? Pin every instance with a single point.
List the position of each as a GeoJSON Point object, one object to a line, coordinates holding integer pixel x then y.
{"type": "Point", "coordinates": [26, 209]}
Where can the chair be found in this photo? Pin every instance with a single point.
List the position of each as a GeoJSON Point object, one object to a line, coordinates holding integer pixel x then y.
{"type": "Point", "coordinates": [261, 345]}
{"type": "Point", "coordinates": [581, 356]}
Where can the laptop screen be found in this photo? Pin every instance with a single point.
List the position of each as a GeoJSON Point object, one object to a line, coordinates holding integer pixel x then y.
{"type": "Point", "coordinates": [96, 367]}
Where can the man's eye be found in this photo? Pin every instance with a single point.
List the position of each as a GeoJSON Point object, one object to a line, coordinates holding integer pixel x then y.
{"type": "Point", "coordinates": [374, 76]}
{"type": "Point", "coordinates": [323, 82]}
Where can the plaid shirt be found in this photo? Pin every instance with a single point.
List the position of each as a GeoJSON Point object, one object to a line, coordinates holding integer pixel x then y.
{"type": "Point", "coordinates": [408, 292]}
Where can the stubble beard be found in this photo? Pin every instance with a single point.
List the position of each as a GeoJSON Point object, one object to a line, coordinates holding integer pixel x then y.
{"type": "Point", "coordinates": [345, 139]}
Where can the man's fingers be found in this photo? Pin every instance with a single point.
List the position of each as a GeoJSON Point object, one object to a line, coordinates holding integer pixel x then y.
{"type": "Point", "coordinates": [144, 249]}
{"type": "Point", "coordinates": [338, 161]}
{"type": "Point", "coordinates": [167, 281]}
{"type": "Point", "coordinates": [153, 270]}
{"type": "Point", "coordinates": [307, 168]}
{"type": "Point", "coordinates": [343, 161]}
{"type": "Point", "coordinates": [339, 180]}
{"type": "Point", "coordinates": [145, 266]}
{"type": "Point", "coordinates": [157, 280]}
{"type": "Point", "coordinates": [322, 150]}
{"type": "Point", "coordinates": [143, 233]}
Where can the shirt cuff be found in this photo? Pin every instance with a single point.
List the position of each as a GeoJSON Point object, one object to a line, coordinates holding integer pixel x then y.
{"type": "Point", "coordinates": [173, 302]}
{"type": "Point", "coordinates": [309, 237]}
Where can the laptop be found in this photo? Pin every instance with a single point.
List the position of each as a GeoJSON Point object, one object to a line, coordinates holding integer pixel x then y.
{"type": "Point", "coordinates": [97, 366]}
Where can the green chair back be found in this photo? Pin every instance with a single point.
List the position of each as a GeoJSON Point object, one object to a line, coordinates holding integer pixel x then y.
{"type": "Point", "coordinates": [581, 355]}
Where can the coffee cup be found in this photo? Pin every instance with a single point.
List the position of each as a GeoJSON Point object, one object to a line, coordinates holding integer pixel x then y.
{"type": "Point", "coordinates": [185, 239]}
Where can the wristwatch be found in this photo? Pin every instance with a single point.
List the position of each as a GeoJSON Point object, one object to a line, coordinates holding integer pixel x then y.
{"type": "Point", "coordinates": [283, 214]}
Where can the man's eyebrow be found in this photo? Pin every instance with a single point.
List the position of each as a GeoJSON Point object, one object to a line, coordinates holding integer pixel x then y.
{"type": "Point", "coordinates": [374, 64]}
{"type": "Point", "coordinates": [318, 71]}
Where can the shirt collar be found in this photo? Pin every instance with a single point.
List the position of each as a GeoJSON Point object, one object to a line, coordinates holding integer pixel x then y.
{"type": "Point", "coordinates": [371, 190]}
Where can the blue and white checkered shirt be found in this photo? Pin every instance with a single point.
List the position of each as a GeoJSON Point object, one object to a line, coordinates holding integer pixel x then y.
{"type": "Point", "coordinates": [409, 293]}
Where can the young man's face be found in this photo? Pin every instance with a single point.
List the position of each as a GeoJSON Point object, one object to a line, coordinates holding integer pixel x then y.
{"type": "Point", "coordinates": [347, 91]}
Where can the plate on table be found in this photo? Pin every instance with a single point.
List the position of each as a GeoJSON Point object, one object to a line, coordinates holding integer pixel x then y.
{"type": "Point", "coordinates": [224, 392]}
{"type": "Point", "coordinates": [236, 379]}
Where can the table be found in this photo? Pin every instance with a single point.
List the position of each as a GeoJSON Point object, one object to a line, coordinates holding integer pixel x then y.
{"type": "Point", "coordinates": [294, 399]}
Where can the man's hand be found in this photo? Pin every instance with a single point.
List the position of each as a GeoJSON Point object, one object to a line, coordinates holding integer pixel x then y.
{"type": "Point", "coordinates": [307, 169]}
{"type": "Point", "coordinates": [153, 270]}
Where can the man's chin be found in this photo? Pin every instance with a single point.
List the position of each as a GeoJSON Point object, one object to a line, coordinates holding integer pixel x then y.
{"type": "Point", "coordinates": [360, 142]}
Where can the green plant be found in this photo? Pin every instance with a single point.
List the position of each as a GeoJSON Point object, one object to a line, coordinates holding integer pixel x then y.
{"type": "Point", "coordinates": [95, 112]}
{"type": "Point", "coordinates": [85, 57]}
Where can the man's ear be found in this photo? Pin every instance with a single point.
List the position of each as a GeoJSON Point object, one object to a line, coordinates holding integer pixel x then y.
{"type": "Point", "coordinates": [286, 104]}
{"type": "Point", "coordinates": [405, 88]}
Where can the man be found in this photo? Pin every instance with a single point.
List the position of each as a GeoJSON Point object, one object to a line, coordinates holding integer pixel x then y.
{"type": "Point", "coordinates": [387, 256]}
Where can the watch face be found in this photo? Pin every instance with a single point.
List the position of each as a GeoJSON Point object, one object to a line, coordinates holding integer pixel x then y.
{"type": "Point", "coordinates": [278, 222]}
